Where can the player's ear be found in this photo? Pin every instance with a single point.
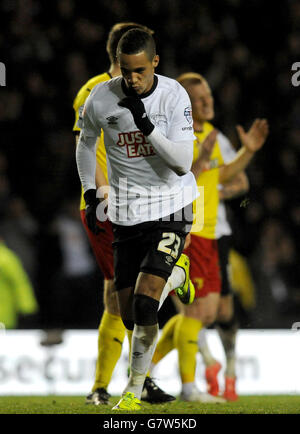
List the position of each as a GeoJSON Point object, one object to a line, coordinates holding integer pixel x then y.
{"type": "Point", "coordinates": [155, 60]}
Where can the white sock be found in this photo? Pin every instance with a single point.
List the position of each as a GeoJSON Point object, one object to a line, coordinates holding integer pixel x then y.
{"type": "Point", "coordinates": [143, 344]}
{"type": "Point", "coordinates": [187, 388]}
{"type": "Point", "coordinates": [204, 348]}
{"type": "Point", "coordinates": [177, 277]}
{"type": "Point", "coordinates": [175, 280]}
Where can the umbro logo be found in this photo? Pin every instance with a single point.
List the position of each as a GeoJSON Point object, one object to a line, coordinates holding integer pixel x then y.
{"type": "Point", "coordinates": [112, 120]}
{"type": "Point", "coordinates": [137, 355]}
{"type": "Point", "coordinates": [117, 340]}
{"type": "Point", "coordinates": [169, 260]}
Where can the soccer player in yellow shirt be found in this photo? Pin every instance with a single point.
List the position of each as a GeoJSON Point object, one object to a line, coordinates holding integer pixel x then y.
{"type": "Point", "coordinates": [111, 328]}
{"type": "Point", "coordinates": [182, 330]}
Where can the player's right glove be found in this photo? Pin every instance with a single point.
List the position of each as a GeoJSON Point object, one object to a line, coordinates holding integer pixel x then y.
{"type": "Point", "coordinates": [137, 108]}
{"type": "Point", "coordinates": [90, 211]}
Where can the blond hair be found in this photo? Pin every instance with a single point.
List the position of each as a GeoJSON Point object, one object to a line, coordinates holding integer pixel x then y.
{"type": "Point", "coordinates": [190, 78]}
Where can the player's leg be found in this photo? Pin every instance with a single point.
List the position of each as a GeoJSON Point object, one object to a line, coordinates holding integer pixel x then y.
{"type": "Point", "coordinates": [208, 312]}
{"type": "Point", "coordinates": [144, 329]}
{"type": "Point", "coordinates": [143, 295]}
{"type": "Point", "coordinates": [207, 309]}
{"type": "Point", "coordinates": [166, 341]}
{"type": "Point", "coordinates": [128, 251]}
{"type": "Point", "coordinates": [227, 324]}
{"type": "Point", "coordinates": [227, 327]}
{"type": "Point", "coordinates": [184, 291]}
{"type": "Point", "coordinates": [179, 283]}
{"type": "Point", "coordinates": [151, 392]}
{"type": "Point", "coordinates": [204, 273]}
{"type": "Point", "coordinates": [145, 305]}
{"type": "Point", "coordinates": [186, 341]}
{"type": "Point", "coordinates": [179, 279]}
{"type": "Point", "coordinates": [156, 264]}
{"type": "Point", "coordinates": [209, 290]}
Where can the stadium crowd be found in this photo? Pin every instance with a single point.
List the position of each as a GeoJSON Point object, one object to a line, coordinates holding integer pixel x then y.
{"type": "Point", "coordinates": [244, 49]}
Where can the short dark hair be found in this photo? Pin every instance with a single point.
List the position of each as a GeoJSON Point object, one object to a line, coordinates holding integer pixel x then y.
{"type": "Point", "coordinates": [115, 34]}
{"type": "Point", "coordinates": [136, 40]}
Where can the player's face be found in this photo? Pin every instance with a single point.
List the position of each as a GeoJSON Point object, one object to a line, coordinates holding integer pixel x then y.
{"type": "Point", "coordinates": [202, 101]}
{"type": "Point", "coordinates": [138, 71]}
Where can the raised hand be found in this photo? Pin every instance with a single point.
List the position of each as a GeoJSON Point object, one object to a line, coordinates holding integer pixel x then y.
{"type": "Point", "coordinates": [206, 147]}
{"type": "Point", "coordinates": [254, 139]}
{"type": "Point", "coordinates": [137, 109]}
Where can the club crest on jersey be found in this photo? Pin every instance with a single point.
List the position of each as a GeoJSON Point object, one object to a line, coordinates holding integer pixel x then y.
{"type": "Point", "coordinates": [188, 114]}
{"type": "Point", "coordinates": [136, 144]}
{"type": "Point", "coordinates": [112, 120]}
{"type": "Point", "coordinates": [158, 118]}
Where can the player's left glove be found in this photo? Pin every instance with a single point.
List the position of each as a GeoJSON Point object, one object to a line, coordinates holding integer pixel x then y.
{"type": "Point", "coordinates": [90, 211]}
{"type": "Point", "coordinates": [137, 108]}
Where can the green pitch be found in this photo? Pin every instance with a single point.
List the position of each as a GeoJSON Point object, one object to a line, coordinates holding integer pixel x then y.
{"type": "Point", "coordinates": [282, 404]}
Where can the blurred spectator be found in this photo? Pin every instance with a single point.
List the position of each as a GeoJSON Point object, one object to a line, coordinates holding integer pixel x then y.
{"type": "Point", "coordinates": [277, 274]}
{"type": "Point", "coordinates": [17, 297]}
{"type": "Point", "coordinates": [19, 230]}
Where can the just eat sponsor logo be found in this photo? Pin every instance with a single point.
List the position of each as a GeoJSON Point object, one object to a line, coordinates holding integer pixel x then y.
{"type": "Point", "coordinates": [136, 144]}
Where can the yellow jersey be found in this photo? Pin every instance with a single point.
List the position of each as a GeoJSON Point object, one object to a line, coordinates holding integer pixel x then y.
{"type": "Point", "coordinates": [78, 106]}
{"type": "Point", "coordinates": [209, 180]}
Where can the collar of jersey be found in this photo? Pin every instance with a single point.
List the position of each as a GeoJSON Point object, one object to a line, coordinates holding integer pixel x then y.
{"type": "Point", "coordinates": [129, 92]}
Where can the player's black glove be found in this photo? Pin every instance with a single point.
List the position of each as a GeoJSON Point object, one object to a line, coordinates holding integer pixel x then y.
{"type": "Point", "coordinates": [90, 211]}
{"type": "Point", "coordinates": [137, 108]}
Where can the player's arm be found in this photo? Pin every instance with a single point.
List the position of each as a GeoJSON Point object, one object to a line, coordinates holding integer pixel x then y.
{"type": "Point", "coordinates": [86, 161]}
{"type": "Point", "coordinates": [100, 178]}
{"type": "Point", "coordinates": [86, 165]}
{"type": "Point", "coordinates": [178, 155]}
{"type": "Point", "coordinates": [205, 150]}
{"type": "Point", "coordinates": [252, 141]}
{"type": "Point", "coordinates": [238, 186]}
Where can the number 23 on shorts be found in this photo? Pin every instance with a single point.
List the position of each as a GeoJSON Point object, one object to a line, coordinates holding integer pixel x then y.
{"type": "Point", "coordinates": [169, 244]}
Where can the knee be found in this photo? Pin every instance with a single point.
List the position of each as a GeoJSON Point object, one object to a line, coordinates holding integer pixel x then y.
{"type": "Point", "coordinates": [202, 311]}
{"type": "Point", "coordinates": [209, 317]}
{"type": "Point", "coordinates": [145, 310]}
{"type": "Point", "coordinates": [224, 316]}
{"type": "Point", "coordinates": [225, 312]}
{"type": "Point", "coordinates": [111, 304]}
{"type": "Point", "coordinates": [149, 285]}
{"type": "Point", "coordinates": [128, 324]}
{"type": "Point", "coordinates": [110, 298]}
